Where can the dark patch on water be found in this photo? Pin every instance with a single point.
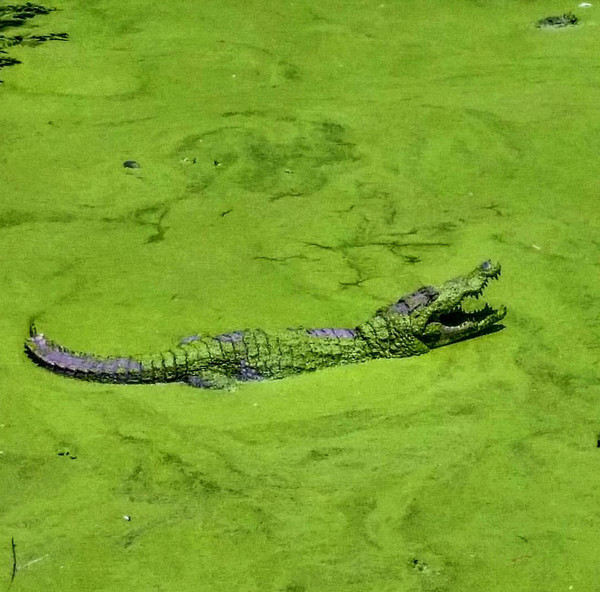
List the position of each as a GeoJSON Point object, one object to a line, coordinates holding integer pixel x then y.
{"type": "Point", "coordinates": [261, 159]}
{"type": "Point", "coordinates": [568, 19]}
{"type": "Point", "coordinates": [169, 476]}
{"type": "Point", "coordinates": [419, 565]}
{"type": "Point", "coordinates": [321, 454]}
{"type": "Point", "coordinates": [67, 454]}
{"type": "Point", "coordinates": [294, 588]}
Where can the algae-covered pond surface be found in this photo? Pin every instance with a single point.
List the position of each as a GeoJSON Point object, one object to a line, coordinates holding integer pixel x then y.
{"type": "Point", "coordinates": [301, 164]}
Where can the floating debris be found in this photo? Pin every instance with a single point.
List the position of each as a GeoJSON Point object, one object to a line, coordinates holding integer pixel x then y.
{"type": "Point", "coordinates": [68, 454]}
{"type": "Point", "coordinates": [565, 20]}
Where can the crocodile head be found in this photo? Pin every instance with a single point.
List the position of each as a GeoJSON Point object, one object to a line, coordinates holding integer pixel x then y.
{"type": "Point", "coordinates": [437, 316]}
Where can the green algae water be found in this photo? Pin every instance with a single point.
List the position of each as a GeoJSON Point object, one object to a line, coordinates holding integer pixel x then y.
{"type": "Point", "coordinates": [301, 164]}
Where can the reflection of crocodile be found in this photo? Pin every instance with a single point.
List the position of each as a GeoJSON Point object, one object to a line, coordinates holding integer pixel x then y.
{"type": "Point", "coordinates": [428, 318]}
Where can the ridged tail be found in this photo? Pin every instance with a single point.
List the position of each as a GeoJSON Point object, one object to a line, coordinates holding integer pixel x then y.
{"type": "Point", "coordinates": [83, 366]}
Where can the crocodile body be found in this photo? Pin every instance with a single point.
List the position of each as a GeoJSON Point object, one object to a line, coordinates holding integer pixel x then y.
{"type": "Point", "coordinates": [427, 318]}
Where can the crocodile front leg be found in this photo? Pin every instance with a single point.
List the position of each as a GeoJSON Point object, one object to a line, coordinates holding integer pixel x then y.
{"type": "Point", "coordinates": [212, 380]}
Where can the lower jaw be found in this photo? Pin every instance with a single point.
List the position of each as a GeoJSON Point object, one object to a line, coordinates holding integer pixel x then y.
{"type": "Point", "coordinates": [448, 333]}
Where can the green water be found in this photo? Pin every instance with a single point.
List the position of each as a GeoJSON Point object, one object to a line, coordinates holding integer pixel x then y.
{"type": "Point", "coordinates": [364, 149]}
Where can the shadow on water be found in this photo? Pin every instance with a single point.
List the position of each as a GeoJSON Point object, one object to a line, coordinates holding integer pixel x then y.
{"type": "Point", "coordinates": [16, 15]}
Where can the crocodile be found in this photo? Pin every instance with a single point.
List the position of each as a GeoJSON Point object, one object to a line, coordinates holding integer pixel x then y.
{"type": "Point", "coordinates": [425, 319]}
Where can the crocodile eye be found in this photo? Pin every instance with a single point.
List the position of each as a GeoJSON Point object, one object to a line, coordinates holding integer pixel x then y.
{"type": "Point", "coordinates": [486, 265]}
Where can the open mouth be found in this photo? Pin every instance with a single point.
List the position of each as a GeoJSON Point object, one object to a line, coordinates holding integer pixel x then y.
{"type": "Point", "coordinates": [460, 323]}
{"type": "Point", "coordinates": [459, 317]}
{"type": "Point", "coordinates": [465, 318]}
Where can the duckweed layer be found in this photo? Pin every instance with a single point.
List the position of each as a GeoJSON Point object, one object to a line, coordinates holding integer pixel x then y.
{"type": "Point", "coordinates": [301, 162]}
